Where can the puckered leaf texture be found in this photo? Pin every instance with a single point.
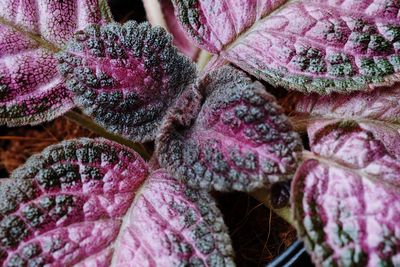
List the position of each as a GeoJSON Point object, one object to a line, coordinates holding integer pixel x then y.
{"type": "Point", "coordinates": [31, 90]}
{"type": "Point", "coordinates": [181, 41]}
{"type": "Point", "coordinates": [377, 112]}
{"type": "Point", "coordinates": [228, 133]}
{"type": "Point", "coordinates": [125, 76]}
{"type": "Point", "coordinates": [311, 46]}
{"type": "Point", "coordinates": [93, 203]}
{"type": "Point", "coordinates": [345, 199]}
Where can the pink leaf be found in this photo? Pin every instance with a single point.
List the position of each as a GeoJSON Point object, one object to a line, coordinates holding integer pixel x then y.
{"type": "Point", "coordinates": [180, 40]}
{"type": "Point", "coordinates": [228, 133]}
{"type": "Point", "coordinates": [311, 46]}
{"type": "Point", "coordinates": [215, 24]}
{"type": "Point", "coordinates": [161, 13]}
{"type": "Point", "coordinates": [376, 112]}
{"type": "Point", "coordinates": [31, 91]}
{"type": "Point", "coordinates": [86, 203]}
{"type": "Point", "coordinates": [345, 201]}
{"type": "Point", "coordinates": [125, 77]}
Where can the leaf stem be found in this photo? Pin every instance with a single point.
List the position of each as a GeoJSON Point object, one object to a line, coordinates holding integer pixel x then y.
{"type": "Point", "coordinates": [300, 124]}
{"type": "Point", "coordinates": [154, 13]}
{"type": "Point", "coordinates": [89, 124]}
{"type": "Point", "coordinates": [263, 195]}
{"type": "Point", "coordinates": [308, 155]}
{"type": "Point", "coordinates": [203, 58]}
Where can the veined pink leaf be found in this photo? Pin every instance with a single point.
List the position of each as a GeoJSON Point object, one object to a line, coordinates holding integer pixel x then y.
{"type": "Point", "coordinates": [377, 112]}
{"type": "Point", "coordinates": [174, 27]}
{"type": "Point", "coordinates": [88, 203]}
{"type": "Point", "coordinates": [31, 90]}
{"type": "Point", "coordinates": [166, 10]}
{"type": "Point", "coordinates": [228, 133]}
{"type": "Point", "coordinates": [125, 76]}
{"type": "Point", "coordinates": [345, 199]}
{"type": "Point", "coordinates": [311, 46]}
{"type": "Point", "coordinates": [214, 25]}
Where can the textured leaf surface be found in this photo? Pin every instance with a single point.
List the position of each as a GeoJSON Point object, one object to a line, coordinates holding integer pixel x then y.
{"type": "Point", "coordinates": [31, 90]}
{"type": "Point", "coordinates": [125, 77]}
{"type": "Point", "coordinates": [377, 112]}
{"type": "Point", "coordinates": [216, 24]}
{"type": "Point", "coordinates": [171, 225]}
{"type": "Point", "coordinates": [313, 46]}
{"type": "Point", "coordinates": [83, 203]}
{"type": "Point", "coordinates": [174, 27]}
{"type": "Point", "coordinates": [346, 201]}
{"type": "Point", "coordinates": [228, 134]}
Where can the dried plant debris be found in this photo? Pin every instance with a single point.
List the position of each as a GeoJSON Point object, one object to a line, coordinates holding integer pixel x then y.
{"type": "Point", "coordinates": [18, 144]}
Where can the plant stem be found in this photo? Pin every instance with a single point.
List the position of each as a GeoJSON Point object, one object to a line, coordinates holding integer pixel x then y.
{"type": "Point", "coordinates": [300, 124]}
{"type": "Point", "coordinates": [154, 13]}
{"type": "Point", "coordinates": [89, 124]}
{"type": "Point", "coordinates": [263, 195]}
{"type": "Point", "coordinates": [203, 58]}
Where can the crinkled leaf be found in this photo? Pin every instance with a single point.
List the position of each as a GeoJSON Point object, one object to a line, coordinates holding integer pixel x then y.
{"type": "Point", "coordinates": [228, 133]}
{"type": "Point", "coordinates": [216, 24]}
{"type": "Point", "coordinates": [166, 8]}
{"type": "Point", "coordinates": [345, 199]}
{"type": "Point", "coordinates": [86, 203]}
{"type": "Point", "coordinates": [174, 27]}
{"type": "Point", "coordinates": [377, 112]}
{"type": "Point", "coordinates": [125, 76]}
{"type": "Point", "coordinates": [314, 46]}
{"type": "Point", "coordinates": [31, 90]}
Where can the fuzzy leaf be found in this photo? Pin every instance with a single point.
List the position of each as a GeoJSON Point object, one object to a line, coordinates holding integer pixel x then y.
{"type": "Point", "coordinates": [311, 46]}
{"type": "Point", "coordinates": [125, 77]}
{"type": "Point", "coordinates": [345, 201]}
{"type": "Point", "coordinates": [174, 27]}
{"type": "Point", "coordinates": [31, 90]}
{"type": "Point", "coordinates": [228, 133]}
{"type": "Point", "coordinates": [377, 112]}
{"type": "Point", "coordinates": [86, 203]}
